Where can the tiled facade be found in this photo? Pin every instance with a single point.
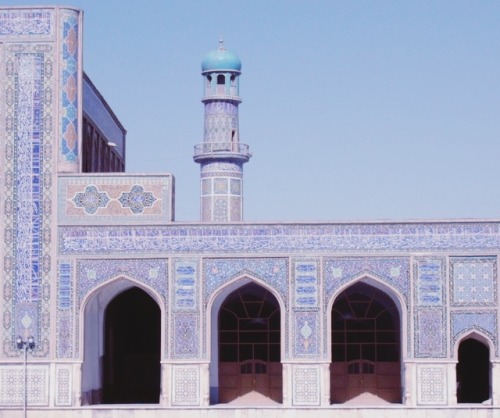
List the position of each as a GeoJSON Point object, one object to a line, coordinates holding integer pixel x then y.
{"type": "Point", "coordinates": [71, 238]}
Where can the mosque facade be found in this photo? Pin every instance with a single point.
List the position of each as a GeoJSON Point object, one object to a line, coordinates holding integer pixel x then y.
{"type": "Point", "coordinates": [107, 301]}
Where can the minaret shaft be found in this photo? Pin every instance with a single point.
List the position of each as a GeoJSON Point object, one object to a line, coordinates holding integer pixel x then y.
{"type": "Point", "coordinates": [221, 155]}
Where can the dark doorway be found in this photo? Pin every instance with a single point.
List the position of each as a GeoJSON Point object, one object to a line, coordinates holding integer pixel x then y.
{"type": "Point", "coordinates": [132, 349]}
{"type": "Point", "coordinates": [365, 346]}
{"type": "Point", "coordinates": [249, 344]}
{"type": "Point", "coordinates": [473, 372]}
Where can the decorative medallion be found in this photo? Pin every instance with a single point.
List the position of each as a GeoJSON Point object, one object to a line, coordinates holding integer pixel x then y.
{"type": "Point", "coordinates": [137, 199]}
{"type": "Point", "coordinates": [91, 200]}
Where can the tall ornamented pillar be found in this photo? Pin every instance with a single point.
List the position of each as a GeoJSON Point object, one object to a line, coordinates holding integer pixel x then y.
{"type": "Point", "coordinates": [221, 155]}
{"type": "Point", "coordinates": [40, 78]}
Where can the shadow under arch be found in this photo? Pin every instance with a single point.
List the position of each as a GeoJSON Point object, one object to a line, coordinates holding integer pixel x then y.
{"type": "Point", "coordinates": [92, 320]}
{"type": "Point", "coordinates": [365, 340]}
{"type": "Point", "coordinates": [214, 305]}
{"type": "Point", "coordinates": [474, 378]}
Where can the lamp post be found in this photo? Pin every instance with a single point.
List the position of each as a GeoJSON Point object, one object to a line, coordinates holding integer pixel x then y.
{"type": "Point", "coordinates": [25, 345]}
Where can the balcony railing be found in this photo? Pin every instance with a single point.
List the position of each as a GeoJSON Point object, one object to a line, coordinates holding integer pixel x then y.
{"type": "Point", "coordinates": [219, 149]}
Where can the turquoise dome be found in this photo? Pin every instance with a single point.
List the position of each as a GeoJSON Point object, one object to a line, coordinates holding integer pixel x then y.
{"type": "Point", "coordinates": [220, 59]}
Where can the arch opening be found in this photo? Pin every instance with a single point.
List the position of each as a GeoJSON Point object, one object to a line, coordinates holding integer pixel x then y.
{"type": "Point", "coordinates": [132, 340]}
{"type": "Point", "coordinates": [365, 346]}
{"type": "Point", "coordinates": [221, 79]}
{"type": "Point", "coordinates": [473, 372]}
{"type": "Point", "coordinates": [249, 346]}
{"type": "Point", "coordinates": [121, 321]}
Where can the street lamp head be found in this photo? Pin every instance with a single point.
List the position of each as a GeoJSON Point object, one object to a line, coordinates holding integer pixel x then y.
{"type": "Point", "coordinates": [31, 342]}
{"type": "Point", "coordinates": [19, 343]}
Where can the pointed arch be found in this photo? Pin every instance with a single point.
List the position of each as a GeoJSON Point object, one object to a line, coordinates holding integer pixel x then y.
{"type": "Point", "coordinates": [214, 304]}
{"type": "Point", "coordinates": [474, 377]}
{"type": "Point", "coordinates": [372, 280]}
{"type": "Point", "coordinates": [92, 325]}
{"type": "Point", "coordinates": [476, 334]}
{"type": "Point", "coordinates": [365, 341]}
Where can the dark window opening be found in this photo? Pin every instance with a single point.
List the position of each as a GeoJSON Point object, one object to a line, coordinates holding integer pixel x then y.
{"type": "Point", "coordinates": [132, 349]}
{"type": "Point", "coordinates": [473, 372]}
{"type": "Point", "coordinates": [221, 79]}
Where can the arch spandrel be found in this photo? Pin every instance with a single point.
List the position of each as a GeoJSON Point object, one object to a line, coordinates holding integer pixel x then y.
{"type": "Point", "coordinates": [152, 273]}
{"type": "Point", "coordinates": [393, 271]}
{"type": "Point", "coordinates": [272, 272]}
{"type": "Point", "coordinates": [484, 323]}
{"type": "Point", "coordinates": [477, 334]}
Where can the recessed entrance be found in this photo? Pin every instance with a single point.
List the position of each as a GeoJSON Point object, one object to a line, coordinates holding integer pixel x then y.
{"type": "Point", "coordinates": [249, 345]}
{"type": "Point", "coordinates": [132, 349]}
{"type": "Point", "coordinates": [473, 372]}
{"type": "Point", "coordinates": [365, 346]}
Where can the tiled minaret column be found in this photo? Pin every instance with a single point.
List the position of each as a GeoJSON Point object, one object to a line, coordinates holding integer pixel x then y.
{"type": "Point", "coordinates": [221, 155]}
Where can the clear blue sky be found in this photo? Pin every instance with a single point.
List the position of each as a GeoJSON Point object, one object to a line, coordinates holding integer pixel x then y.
{"type": "Point", "coordinates": [354, 110]}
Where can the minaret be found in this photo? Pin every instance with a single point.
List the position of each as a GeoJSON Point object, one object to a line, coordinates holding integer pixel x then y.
{"type": "Point", "coordinates": [221, 155]}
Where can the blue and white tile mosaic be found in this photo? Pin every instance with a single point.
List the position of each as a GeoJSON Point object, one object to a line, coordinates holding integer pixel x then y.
{"type": "Point", "coordinates": [151, 272]}
{"type": "Point", "coordinates": [19, 22]}
{"type": "Point", "coordinates": [185, 339]}
{"type": "Point", "coordinates": [306, 284]}
{"type": "Point", "coordinates": [70, 87]}
{"type": "Point", "coordinates": [64, 324]}
{"type": "Point", "coordinates": [91, 199]}
{"type": "Point", "coordinates": [137, 199]}
{"type": "Point", "coordinates": [272, 271]}
{"type": "Point", "coordinates": [393, 271]}
{"type": "Point", "coordinates": [28, 110]}
{"type": "Point", "coordinates": [462, 322]}
{"type": "Point", "coordinates": [473, 281]}
{"type": "Point", "coordinates": [281, 238]}
{"type": "Point", "coordinates": [430, 332]}
{"type": "Point", "coordinates": [306, 334]}
{"type": "Point", "coordinates": [186, 285]}
{"type": "Point", "coordinates": [429, 284]}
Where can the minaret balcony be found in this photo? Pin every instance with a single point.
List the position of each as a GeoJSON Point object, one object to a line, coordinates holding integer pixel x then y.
{"type": "Point", "coordinates": [221, 150]}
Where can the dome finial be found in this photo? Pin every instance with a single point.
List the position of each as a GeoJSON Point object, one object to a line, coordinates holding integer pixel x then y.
{"type": "Point", "coordinates": [221, 43]}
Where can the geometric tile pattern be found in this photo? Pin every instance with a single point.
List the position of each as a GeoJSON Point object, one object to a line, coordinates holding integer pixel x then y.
{"type": "Point", "coordinates": [186, 335]}
{"type": "Point", "coordinates": [431, 385]}
{"type": "Point", "coordinates": [306, 385]}
{"type": "Point", "coordinates": [185, 385]}
{"type": "Point", "coordinates": [430, 332]}
{"type": "Point", "coordinates": [12, 385]}
{"type": "Point", "coordinates": [473, 281]}
{"type": "Point", "coordinates": [64, 387]}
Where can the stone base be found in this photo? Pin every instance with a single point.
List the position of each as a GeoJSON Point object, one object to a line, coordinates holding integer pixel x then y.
{"type": "Point", "coordinates": [154, 411]}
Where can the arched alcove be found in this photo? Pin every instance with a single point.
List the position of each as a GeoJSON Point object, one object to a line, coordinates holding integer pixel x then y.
{"type": "Point", "coordinates": [249, 345]}
{"type": "Point", "coordinates": [365, 346]}
{"type": "Point", "coordinates": [473, 371]}
{"type": "Point", "coordinates": [121, 325]}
